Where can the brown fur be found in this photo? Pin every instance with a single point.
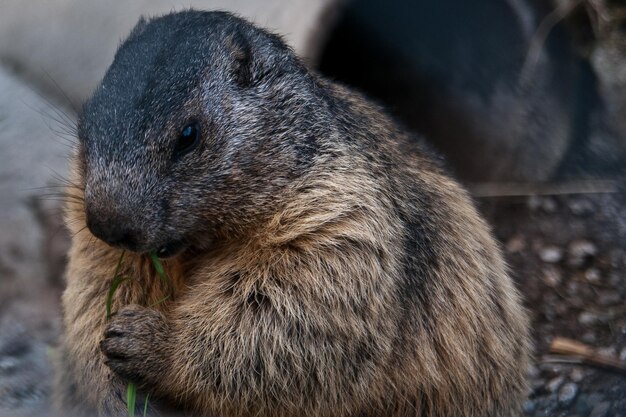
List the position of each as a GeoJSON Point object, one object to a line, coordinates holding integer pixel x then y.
{"type": "Point", "coordinates": [307, 309]}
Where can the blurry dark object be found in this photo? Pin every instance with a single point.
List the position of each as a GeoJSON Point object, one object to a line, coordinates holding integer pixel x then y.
{"type": "Point", "coordinates": [453, 71]}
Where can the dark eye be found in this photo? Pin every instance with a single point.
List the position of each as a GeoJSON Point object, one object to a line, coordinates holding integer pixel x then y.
{"type": "Point", "coordinates": [188, 139]}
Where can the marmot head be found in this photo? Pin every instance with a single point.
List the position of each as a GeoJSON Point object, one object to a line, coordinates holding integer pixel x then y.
{"type": "Point", "coordinates": [197, 126]}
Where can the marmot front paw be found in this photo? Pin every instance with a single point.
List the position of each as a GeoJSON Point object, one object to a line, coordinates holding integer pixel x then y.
{"type": "Point", "coordinates": [133, 344]}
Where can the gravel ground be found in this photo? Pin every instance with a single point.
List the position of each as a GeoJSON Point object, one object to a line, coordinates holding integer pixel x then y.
{"type": "Point", "coordinates": [568, 256]}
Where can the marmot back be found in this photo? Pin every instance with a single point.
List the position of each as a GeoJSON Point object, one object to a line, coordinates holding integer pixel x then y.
{"type": "Point", "coordinates": [322, 263]}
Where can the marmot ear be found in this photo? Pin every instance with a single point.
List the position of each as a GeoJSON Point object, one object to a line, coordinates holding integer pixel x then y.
{"type": "Point", "coordinates": [241, 58]}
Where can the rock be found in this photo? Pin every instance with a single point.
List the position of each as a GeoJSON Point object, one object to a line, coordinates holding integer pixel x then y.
{"type": "Point", "coordinates": [8, 365]}
{"type": "Point", "coordinates": [546, 204]}
{"type": "Point", "coordinates": [549, 205]}
{"type": "Point", "coordinates": [515, 244]}
{"type": "Point", "coordinates": [601, 409]}
{"type": "Point", "coordinates": [587, 318]}
{"type": "Point", "coordinates": [580, 252]}
{"type": "Point", "coordinates": [533, 372]}
{"type": "Point", "coordinates": [576, 375]}
{"type": "Point", "coordinates": [589, 337]}
{"type": "Point", "coordinates": [533, 202]}
{"type": "Point", "coordinates": [552, 276]}
{"type": "Point", "coordinates": [551, 254]}
{"type": "Point", "coordinates": [593, 275]}
{"type": "Point", "coordinates": [567, 393]}
{"type": "Point", "coordinates": [31, 154]}
{"type": "Point", "coordinates": [622, 354]}
{"type": "Point", "coordinates": [581, 207]}
{"type": "Point", "coordinates": [554, 384]}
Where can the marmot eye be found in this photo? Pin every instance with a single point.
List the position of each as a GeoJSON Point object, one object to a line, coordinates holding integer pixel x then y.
{"type": "Point", "coordinates": [188, 139]}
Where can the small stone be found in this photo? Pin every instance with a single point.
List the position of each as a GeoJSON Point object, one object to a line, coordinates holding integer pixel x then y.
{"type": "Point", "coordinates": [561, 309]}
{"type": "Point", "coordinates": [551, 370]}
{"type": "Point", "coordinates": [551, 254]}
{"type": "Point", "coordinates": [534, 202]}
{"type": "Point", "coordinates": [601, 409]}
{"type": "Point", "coordinates": [580, 251]}
{"type": "Point", "coordinates": [593, 275]}
{"type": "Point", "coordinates": [548, 205]}
{"type": "Point", "coordinates": [580, 207]}
{"type": "Point", "coordinates": [554, 384]}
{"type": "Point", "coordinates": [589, 337]}
{"type": "Point", "coordinates": [576, 375]}
{"type": "Point", "coordinates": [8, 364]}
{"type": "Point", "coordinates": [586, 318]}
{"type": "Point", "coordinates": [567, 393]}
{"type": "Point", "coordinates": [515, 244]}
{"type": "Point", "coordinates": [552, 276]}
{"type": "Point", "coordinates": [533, 371]}
{"type": "Point", "coordinates": [622, 354]}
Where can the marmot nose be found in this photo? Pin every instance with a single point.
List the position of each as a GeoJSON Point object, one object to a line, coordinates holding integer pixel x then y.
{"type": "Point", "coordinates": [113, 232]}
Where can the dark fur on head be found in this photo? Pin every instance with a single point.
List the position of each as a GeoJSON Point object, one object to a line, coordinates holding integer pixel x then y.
{"type": "Point", "coordinates": [325, 265]}
{"type": "Point", "coordinates": [241, 86]}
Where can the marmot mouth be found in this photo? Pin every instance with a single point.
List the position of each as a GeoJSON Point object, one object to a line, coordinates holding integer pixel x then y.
{"type": "Point", "coordinates": [170, 249]}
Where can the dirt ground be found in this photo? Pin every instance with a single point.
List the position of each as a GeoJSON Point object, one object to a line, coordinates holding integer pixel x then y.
{"type": "Point", "coordinates": [568, 257]}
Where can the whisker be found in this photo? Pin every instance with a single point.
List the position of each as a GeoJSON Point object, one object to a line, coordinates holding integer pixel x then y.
{"type": "Point", "coordinates": [62, 91]}
{"type": "Point", "coordinates": [65, 126]}
{"type": "Point", "coordinates": [63, 180]}
{"type": "Point", "coordinates": [82, 229]}
{"type": "Point", "coordinates": [61, 193]}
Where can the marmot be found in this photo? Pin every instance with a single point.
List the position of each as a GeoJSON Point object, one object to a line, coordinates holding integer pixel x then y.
{"type": "Point", "coordinates": [322, 263]}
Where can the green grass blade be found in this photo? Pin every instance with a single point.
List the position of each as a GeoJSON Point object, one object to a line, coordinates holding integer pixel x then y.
{"type": "Point", "coordinates": [145, 405]}
{"type": "Point", "coordinates": [119, 264]}
{"type": "Point", "coordinates": [158, 265]}
{"type": "Point", "coordinates": [131, 398]}
{"type": "Point", "coordinates": [117, 280]}
{"type": "Point", "coordinates": [161, 271]}
{"type": "Point", "coordinates": [162, 300]}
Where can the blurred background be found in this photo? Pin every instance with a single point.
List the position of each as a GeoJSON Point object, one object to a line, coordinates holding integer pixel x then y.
{"type": "Point", "coordinates": [525, 98]}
